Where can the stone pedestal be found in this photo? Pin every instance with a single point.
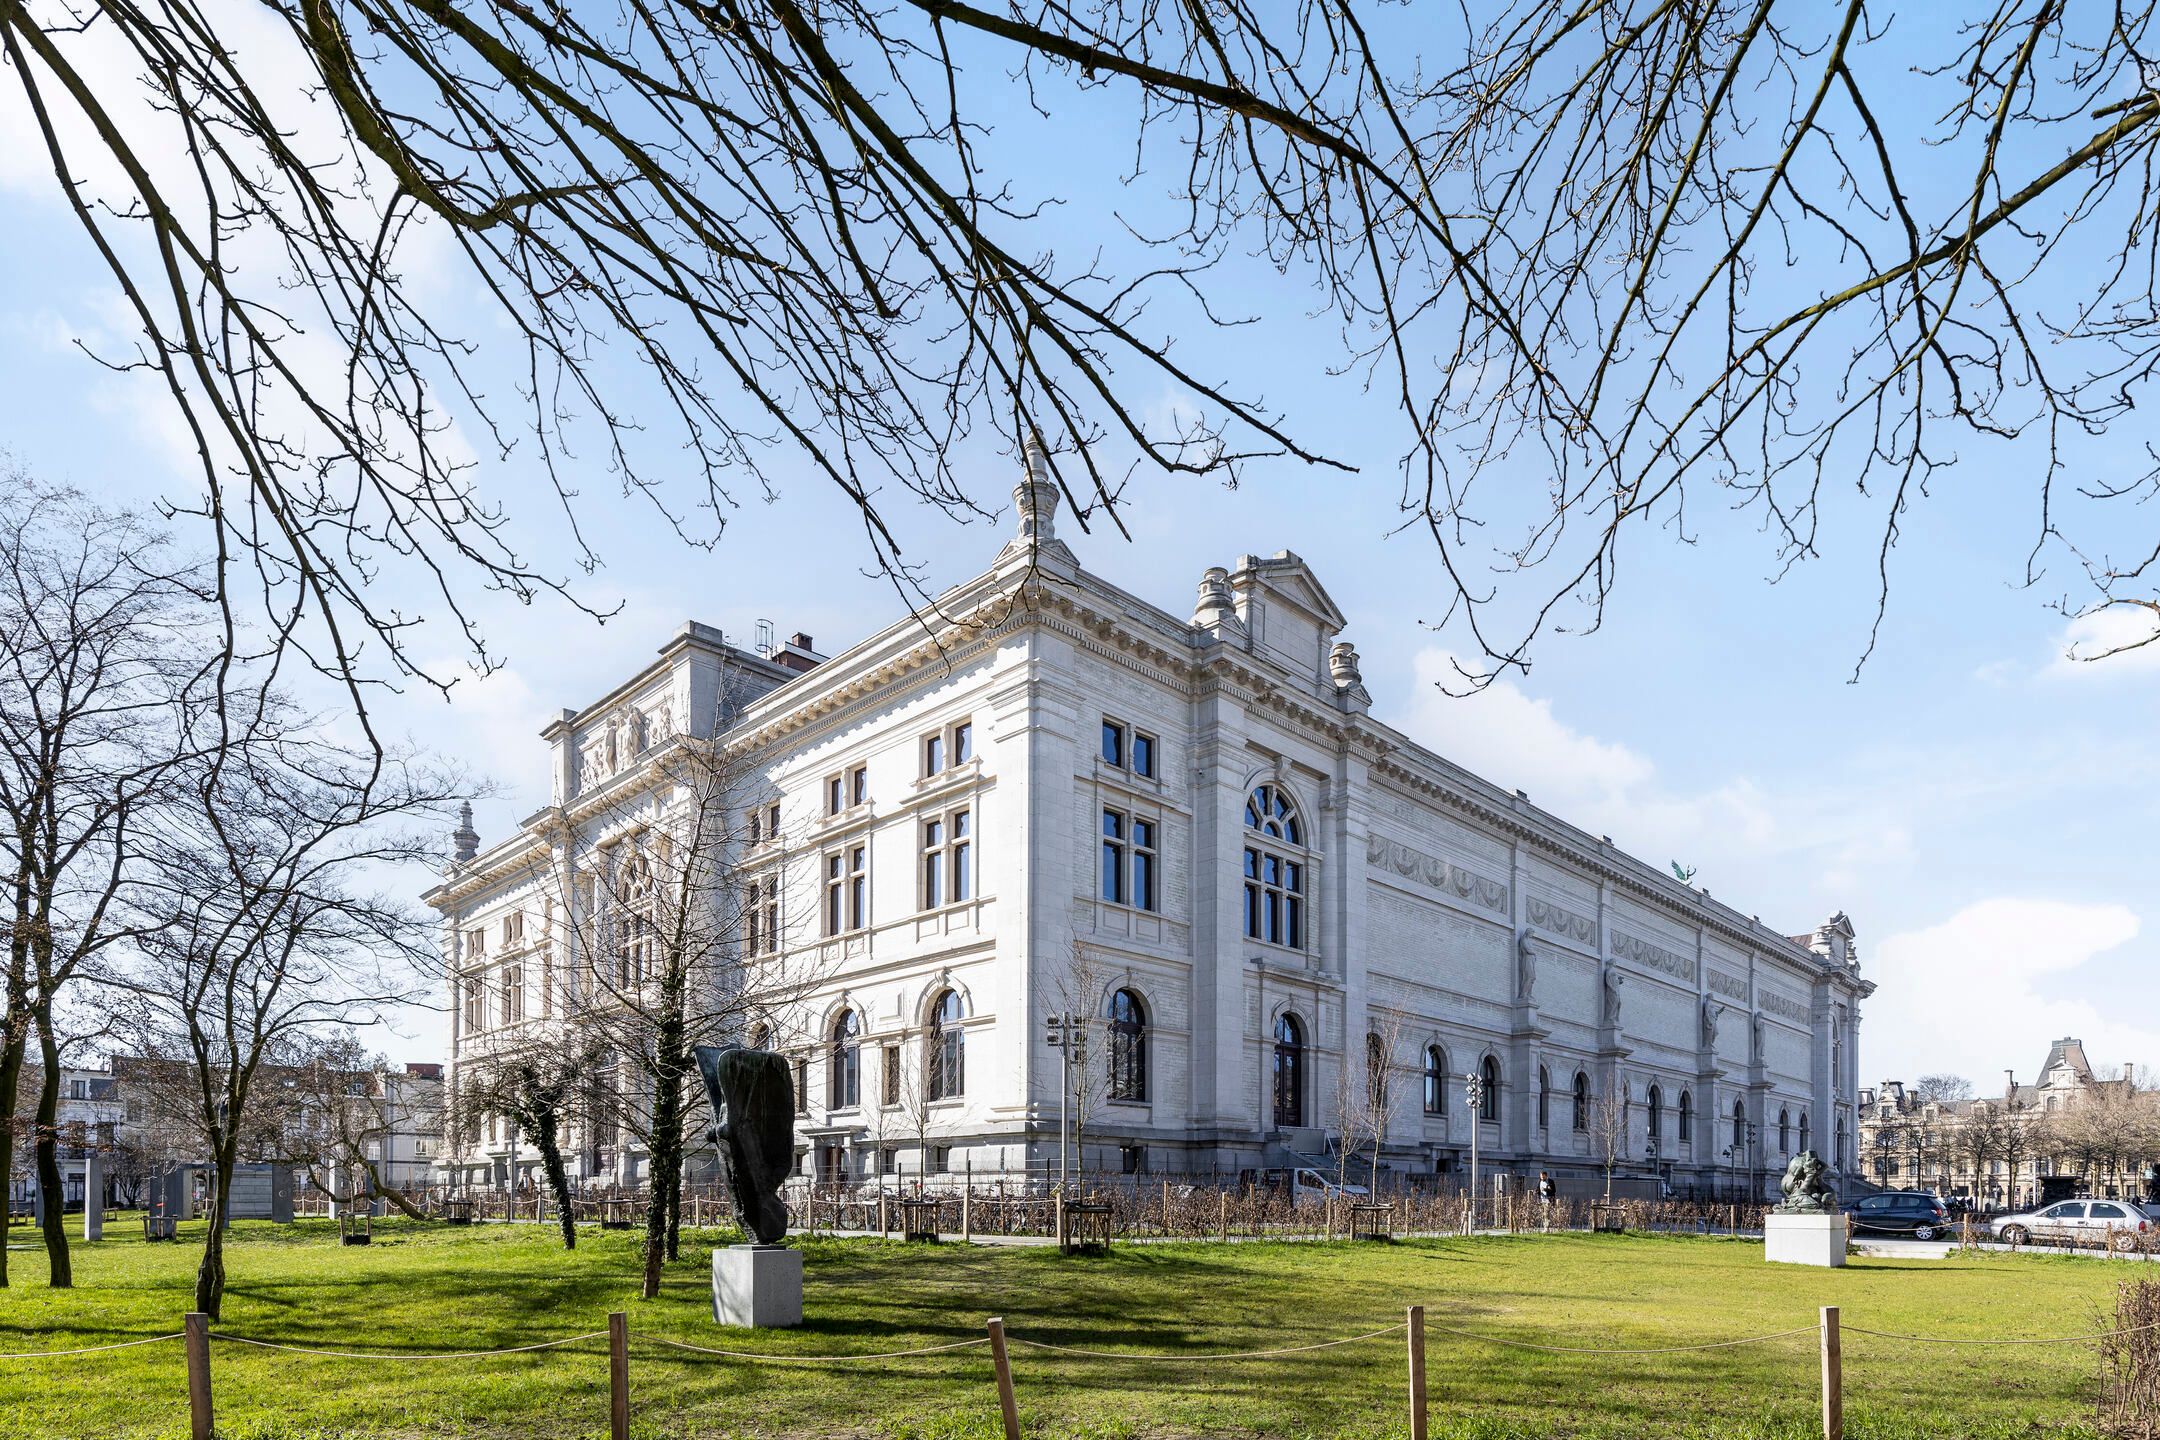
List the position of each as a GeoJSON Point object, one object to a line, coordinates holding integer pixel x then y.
{"type": "Point", "coordinates": [758, 1285]}
{"type": "Point", "coordinates": [1804, 1239]}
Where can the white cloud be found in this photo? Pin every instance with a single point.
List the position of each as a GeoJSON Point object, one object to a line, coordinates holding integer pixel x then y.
{"type": "Point", "coordinates": [1996, 982]}
{"type": "Point", "coordinates": [2087, 638]}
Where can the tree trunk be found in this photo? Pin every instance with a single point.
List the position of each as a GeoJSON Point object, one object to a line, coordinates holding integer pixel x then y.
{"type": "Point", "coordinates": [210, 1275]}
{"type": "Point", "coordinates": [558, 1178]}
{"type": "Point", "coordinates": [674, 1206]}
{"type": "Point", "coordinates": [11, 1063]}
{"type": "Point", "coordinates": [48, 1157]}
{"type": "Point", "coordinates": [666, 1153]}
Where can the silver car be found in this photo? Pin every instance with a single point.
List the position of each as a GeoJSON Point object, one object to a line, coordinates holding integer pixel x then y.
{"type": "Point", "coordinates": [2069, 1222]}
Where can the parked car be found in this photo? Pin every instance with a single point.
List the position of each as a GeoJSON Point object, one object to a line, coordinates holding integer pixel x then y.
{"type": "Point", "coordinates": [1902, 1212]}
{"type": "Point", "coordinates": [2069, 1221]}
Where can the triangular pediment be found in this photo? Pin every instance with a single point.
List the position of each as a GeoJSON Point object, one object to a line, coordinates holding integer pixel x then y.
{"type": "Point", "coordinates": [1290, 580]}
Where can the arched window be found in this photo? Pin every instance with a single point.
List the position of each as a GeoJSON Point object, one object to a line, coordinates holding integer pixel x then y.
{"type": "Point", "coordinates": [1657, 1112]}
{"type": "Point", "coordinates": [1289, 1071]}
{"type": "Point", "coordinates": [1489, 1111]}
{"type": "Point", "coordinates": [1435, 1080]}
{"type": "Point", "coordinates": [1582, 1103]}
{"type": "Point", "coordinates": [1739, 1124]}
{"type": "Point", "coordinates": [1687, 1117]}
{"type": "Point", "coordinates": [1274, 869]}
{"type": "Point", "coordinates": [843, 1070]}
{"type": "Point", "coordinates": [1128, 1047]}
{"type": "Point", "coordinates": [1544, 1098]}
{"type": "Point", "coordinates": [1803, 1130]}
{"type": "Point", "coordinates": [948, 1049]}
{"type": "Point", "coordinates": [1784, 1133]}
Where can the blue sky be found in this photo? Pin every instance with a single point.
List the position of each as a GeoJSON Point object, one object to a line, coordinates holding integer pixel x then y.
{"type": "Point", "coordinates": [1981, 807]}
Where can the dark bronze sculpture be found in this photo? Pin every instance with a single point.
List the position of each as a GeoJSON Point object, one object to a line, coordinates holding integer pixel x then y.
{"type": "Point", "coordinates": [753, 1102]}
{"type": "Point", "coordinates": [1806, 1187]}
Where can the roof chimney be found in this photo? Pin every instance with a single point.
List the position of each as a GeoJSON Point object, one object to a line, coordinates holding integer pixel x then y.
{"type": "Point", "coordinates": [798, 654]}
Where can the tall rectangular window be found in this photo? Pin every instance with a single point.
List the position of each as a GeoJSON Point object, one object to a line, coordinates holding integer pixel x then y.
{"type": "Point", "coordinates": [933, 864]}
{"type": "Point", "coordinates": [835, 893]}
{"type": "Point", "coordinates": [963, 743]}
{"type": "Point", "coordinates": [1143, 755]}
{"type": "Point", "coordinates": [1113, 857]}
{"type": "Point", "coordinates": [1113, 744]}
{"type": "Point", "coordinates": [933, 755]}
{"type": "Point", "coordinates": [835, 794]}
{"type": "Point", "coordinates": [858, 887]}
{"type": "Point", "coordinates": [859, 785]}
{"type": "Point", "coordinates": [889, 1081]}
{"type": "Point", "coordinates": [1143, 864]}
{"type": "Point", "coordinates": [513, 994]}
{"type": "Point", "coordinates": [963, 856]}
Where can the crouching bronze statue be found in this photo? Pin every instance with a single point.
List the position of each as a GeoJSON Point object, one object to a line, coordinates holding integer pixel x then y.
{"type": "Point", "coordinates": [753, 1103]}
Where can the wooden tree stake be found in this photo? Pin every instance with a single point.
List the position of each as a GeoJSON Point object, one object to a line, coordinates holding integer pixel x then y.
{"type": "Point", "coordinates": [618, 1374]}
{"type": "Point", "coordinates": [198, 1375]}
{"type": "Point", "coordinates": [1006, 1404]}
{"type": "Point", "coordinates": [1417, 1372]}
{"type": "Point", "coordinates": [1833, 1377]}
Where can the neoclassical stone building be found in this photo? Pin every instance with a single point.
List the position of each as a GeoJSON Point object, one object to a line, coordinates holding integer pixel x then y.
{"type": "Point", "coordinates": [1056, 795]}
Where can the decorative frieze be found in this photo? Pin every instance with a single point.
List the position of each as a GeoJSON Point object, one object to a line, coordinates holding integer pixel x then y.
{"type": "Point", "coordinates": [1439, 874]}
{"type": "Point", "coordinates": [1788, 1007]}
{"type": "Point", "coordinates": [1731, 986]}
{"type": "Point", "coordinates": [1642, 952]}
{"type": "Point", "coordinates": [1551, 918]}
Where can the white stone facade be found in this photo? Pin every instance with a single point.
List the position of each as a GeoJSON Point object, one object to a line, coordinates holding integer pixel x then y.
{"type": "Point", "coordinates": [1409, 899]}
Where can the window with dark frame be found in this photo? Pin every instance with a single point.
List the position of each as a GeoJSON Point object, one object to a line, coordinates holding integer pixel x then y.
{"type": "Point", "coordinates": [1128, 1047]}
{"type": "Point", "coordinates": [889, 1087]}
{"type": "Point", "coordinates": [1113, 856]}
{"type": "Point", "coordinates": [843, 1086]}
{"type": "Point", "coordinates": [1289, 1076]}
{"type": "Point", "coordinates": [947, 1059]}
{"type": "Point", "coordinates": [1274, 879]}
{"type": "Point", "coordinates": [1435, 1080]}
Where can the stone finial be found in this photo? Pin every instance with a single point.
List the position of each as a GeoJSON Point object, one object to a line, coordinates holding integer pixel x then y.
{"type": "Point", "coordinates": [1036, 497]}
{"type": "Point", "coordinates": [465, 841]}
{"type": "Point", "coordinates": [1342, 664]}
{"type": "Point", "coordinates": [1215, 606]}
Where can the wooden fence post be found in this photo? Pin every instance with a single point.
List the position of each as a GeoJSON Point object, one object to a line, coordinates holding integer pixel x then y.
{"type": "Point", "coordinates": [1833, 1377]}
{"type": "Point", "coordinates": [1417, 1372]}
{"type": "Point", "coordinates": [1006, 1404]}
{"type": "Point", "coordinates": [618, 1375]}
{"type": "Point", "coordinates": [967, 1210]}
{"type": "Point", "coordinates": [1222, 1215]}
{"type": "Point", "coordinates": [198, 1375]}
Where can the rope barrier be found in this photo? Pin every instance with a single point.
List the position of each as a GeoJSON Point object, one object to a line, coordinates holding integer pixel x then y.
{"type": "Point", "coordinates": [91, 1349]}
{"type": "Point", "coordinates": [814, 1359]}
{"type": "Point", "coordinates": [1191, 1356]}
{"type": "Point", "coordinates": [1624, 1349]}
{"type": "Point", "coordinates": [1982, 1340]}
{"type": "Point", "coordinates": [409, 1355]}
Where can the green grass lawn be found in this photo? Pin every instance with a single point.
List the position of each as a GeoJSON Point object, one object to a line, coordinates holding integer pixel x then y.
{"type": "Point", "coordinates": [422, 1288]}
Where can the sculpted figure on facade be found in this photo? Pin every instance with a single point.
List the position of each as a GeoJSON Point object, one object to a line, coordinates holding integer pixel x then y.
{"type": "Point", "coordinates": [1613, 981]}
{"type": "Point", "coordinates": [1525, 969]}
{"type": "Point", "coordinates": [1711, 1011]}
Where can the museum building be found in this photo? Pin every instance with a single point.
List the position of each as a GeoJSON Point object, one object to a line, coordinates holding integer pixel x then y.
{"type": "Point", "coordinates": [1047, 795]}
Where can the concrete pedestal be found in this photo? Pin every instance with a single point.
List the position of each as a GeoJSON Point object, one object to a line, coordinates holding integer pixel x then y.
{"type": "Point", "coordinates": [1804, 1239]}
{"type": "Point", "coordinates": [758, 1285]}
{"type": "Point", "coordinates": [93, 1210]}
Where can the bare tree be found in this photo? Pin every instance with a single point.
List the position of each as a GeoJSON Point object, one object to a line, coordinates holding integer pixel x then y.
{"type": "Point", "coordinates": [1544, 228]}
{"type": "Point", "coordinates": [1365, 1094]}
{"type": "Point", "coordinates": [95, 652]}
{"type": "Point", "coordinates": [674, 949]}
{"type": "Point", "coordinates": [1942, 1089]}
{"type": "Point", "coordinates": [537, 1083]}
{"type": "Point", "coordinates": [350, 1110]}
{"type": "Point", "coordinates": [257, 936]}
{"type": "Point", "coordinates": [1609, 1128]}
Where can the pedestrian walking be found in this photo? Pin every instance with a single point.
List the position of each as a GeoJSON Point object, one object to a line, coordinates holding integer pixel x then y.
{"type": "Point", "coordinates": [1545, 1199]}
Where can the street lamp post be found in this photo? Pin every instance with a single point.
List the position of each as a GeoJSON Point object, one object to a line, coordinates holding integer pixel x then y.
{"type": "Point", "coordinates": [1068, 1036]}
{"type": "Point", "coordinates": [1474, 1096]}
